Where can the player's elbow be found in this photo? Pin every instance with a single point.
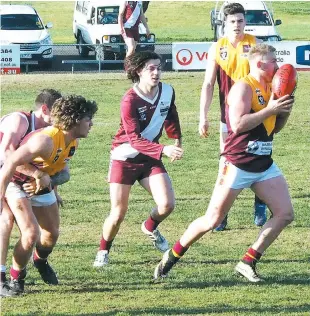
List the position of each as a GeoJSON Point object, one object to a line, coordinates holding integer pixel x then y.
{"type": "Point", "coordinates": [236, 127]}
{"type": "Point", "coordinates": [208, 86]}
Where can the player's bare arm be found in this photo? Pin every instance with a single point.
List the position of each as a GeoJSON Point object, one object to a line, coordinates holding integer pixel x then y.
{"type": "Point", "coordinates": [207, 91]}
{"type": "Point", "coordinates": [14, 128]}
{"type": "Point", "coordinates": [239, 101]}
{"type": "Point", "coordinates": [121, 11]}
{"type": "Point", "coordinates": [39, 145]}
{"type": "Point", "coordinates": [144, 22]}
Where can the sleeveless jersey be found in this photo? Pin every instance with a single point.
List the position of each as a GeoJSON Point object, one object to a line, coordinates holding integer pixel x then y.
{"type": "Point", "coordinates": [29, 116]}
{"type": "Point", "coordinates": [57, 161]}
{"type": "Point", "coordinates": [251, 150]}
{"type": "Point", "coordinates": [132, 14]}
{"type": "Point", "coordinates": [232, 65]}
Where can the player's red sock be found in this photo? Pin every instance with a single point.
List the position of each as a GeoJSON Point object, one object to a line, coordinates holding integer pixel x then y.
{"type": "Point", "coordinates": [151, 224]}
{"type": "Point", "coordinates": [251, 257]}
{"type": "Point", "coordinates": [178, 250]}
{"type": "Point", "coordinates": [18, 275]}
{"type": "Point", "coordinates": [105, 245]}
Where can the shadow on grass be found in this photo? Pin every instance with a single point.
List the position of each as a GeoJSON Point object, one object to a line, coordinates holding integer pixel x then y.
{"type": "Point", "coordinates": [208, 310]}
{"type": "Point", "coordinates": [93, 286]}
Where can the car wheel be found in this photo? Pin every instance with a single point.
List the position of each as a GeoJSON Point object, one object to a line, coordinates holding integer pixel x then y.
{"type": "Point", "coordinates": [82, 49]}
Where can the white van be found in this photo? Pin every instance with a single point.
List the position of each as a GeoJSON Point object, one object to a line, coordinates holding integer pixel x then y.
{"type": "Point", "coordinates": [259, 20]}
{"type": "Point", "coordinates": [96, 24]}
{"type": "Point", "coordinates": [21, 24]}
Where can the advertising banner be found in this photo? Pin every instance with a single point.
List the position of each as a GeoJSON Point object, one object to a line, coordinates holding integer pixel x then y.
{"type": "Point", "coordinates": [10, 59]}
{"type": "Point", "coordinates": [194, 55]}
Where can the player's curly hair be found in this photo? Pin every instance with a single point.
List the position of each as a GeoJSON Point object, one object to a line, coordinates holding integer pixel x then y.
{"type": "Point", "coordinates": [233, 8]}
{"type": "Point", "coordinates": [48, 97]}
{"type": "Point", "coordinates": [136, 61]}
{"type": "Point", "coordinates": [70, 110]}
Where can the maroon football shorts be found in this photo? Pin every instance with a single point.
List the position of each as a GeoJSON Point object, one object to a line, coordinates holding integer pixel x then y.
{"type": "Point", "coordinates": [131, 33]}
{"type": "Point", "coordinates": [125, 172]}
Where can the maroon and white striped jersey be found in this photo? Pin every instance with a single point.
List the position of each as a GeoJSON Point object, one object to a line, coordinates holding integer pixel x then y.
{"type": "Point", "coordinates": [142, 122]}
{"type": "Point", "coordinates": [132, 14]}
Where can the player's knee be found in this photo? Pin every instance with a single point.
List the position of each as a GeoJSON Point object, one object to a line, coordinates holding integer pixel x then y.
{"type": "Point", "coordinates": [30, 237]}
{"type": "Point", "coordinates": [131, 50]}
{"type": "Point", "coordinates": [288, 217]}
{"type": "Point", "coordinates": [167, 206]}
{"type": "Point", "coordinates": [7, 220]}
{"type": "Point", "coordinates": [117, 216]}
{"type": "Point", "coordinates": [50, 237]}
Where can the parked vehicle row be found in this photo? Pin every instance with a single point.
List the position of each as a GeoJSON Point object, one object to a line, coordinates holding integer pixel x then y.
{"type": "Point", "coordinates": [21, 24]}
{"type": "Point", "coordinates": [96, 24]}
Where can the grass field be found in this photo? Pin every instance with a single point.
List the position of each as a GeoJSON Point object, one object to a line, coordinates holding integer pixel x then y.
{"type": "Point", "coordinates": [178, 20]}
{"type": "Point", "coordinates": [203, 283]}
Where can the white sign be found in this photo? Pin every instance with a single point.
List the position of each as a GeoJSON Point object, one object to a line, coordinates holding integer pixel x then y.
{"type": "Point", "coordinates": [193, 55]}
{"type": "Point", "coordinates": [189, 55]}
{"type": "Point", "coordinates": [10, 59]}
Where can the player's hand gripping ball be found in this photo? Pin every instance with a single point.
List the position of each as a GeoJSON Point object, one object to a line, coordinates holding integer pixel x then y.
{"type": "Point", "coordinates": [284, 81]}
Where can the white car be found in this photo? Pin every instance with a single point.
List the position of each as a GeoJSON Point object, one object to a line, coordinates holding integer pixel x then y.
{"type": "Point", "coordinates": [95, 27]}
{"type": "Point", "coordinates": [21, 24]}
{"type": "Point", "coordinates": [259, 20]}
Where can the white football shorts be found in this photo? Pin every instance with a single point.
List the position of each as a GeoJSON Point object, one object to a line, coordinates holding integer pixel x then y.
{"type": "Point", "coordinates": [235, 178]}
{"type": "Point", "coordinates": [13, 191]}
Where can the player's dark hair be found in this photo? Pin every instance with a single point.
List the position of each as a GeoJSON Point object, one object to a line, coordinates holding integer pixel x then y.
{"type": "Point", "coordinates": [70, 110]}
{"type": "Point", "coordinates": [136, 61]}
{"type": "Point", "coordinates": [233, 8]}
{"type": "Point", "coordinates": [48, 97]}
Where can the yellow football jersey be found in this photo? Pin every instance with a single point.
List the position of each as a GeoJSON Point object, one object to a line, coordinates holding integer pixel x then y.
{"type": "Point", "coordinates": [260, 100]}
{"type": "Point", "coordinates": [232, 65]}
{"type": "Point", "coordinates": [60, 155]}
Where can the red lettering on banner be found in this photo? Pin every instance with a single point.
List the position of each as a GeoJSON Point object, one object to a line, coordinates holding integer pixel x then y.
{"type": "Point", "coordinates": [202, 56]}
{"type": "Point", "coordinates": [10, 71]}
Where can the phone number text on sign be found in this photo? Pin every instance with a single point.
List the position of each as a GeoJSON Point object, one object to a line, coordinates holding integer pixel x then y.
{"type": "Point", "coordinates": [10, 59]}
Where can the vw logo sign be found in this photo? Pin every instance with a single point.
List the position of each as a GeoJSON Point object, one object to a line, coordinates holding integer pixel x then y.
{"type": "Point", "coordinates": [184, 57]}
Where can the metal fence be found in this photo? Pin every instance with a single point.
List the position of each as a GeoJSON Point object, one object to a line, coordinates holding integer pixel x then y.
{"type": "Point", "coordinates": [83, 58]}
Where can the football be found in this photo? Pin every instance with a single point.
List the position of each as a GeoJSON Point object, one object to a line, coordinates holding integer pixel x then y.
{"type": "Point", "coordinates": [284, 81]}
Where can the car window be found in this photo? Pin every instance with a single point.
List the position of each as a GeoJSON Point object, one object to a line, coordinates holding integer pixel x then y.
{"type": "Point", "coordinates": [21, 22]}
{"type": "Point", "coordinates": [257, 17]}
{"type": "Point", "coordinates": [107, 15]}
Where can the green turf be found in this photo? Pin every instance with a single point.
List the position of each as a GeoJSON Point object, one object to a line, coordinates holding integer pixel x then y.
{"type": "Point", "coordinates": [203, 283]}
{"type": "Point", "coordinates": [173, 21]}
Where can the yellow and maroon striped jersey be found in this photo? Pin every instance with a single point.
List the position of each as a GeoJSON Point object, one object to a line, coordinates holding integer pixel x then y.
{"type": "Point", "coordinates": [232, 65]}
{"type": "Point", "coordinates": [61, 154]}
{"type": "Point", "coordinates": [251, 150]}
